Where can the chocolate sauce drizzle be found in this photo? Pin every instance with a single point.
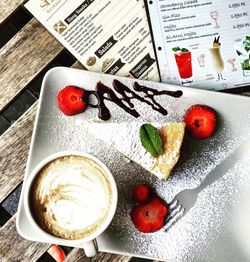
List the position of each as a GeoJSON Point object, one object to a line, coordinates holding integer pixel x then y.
{"type": "Point", "coordinates": [103, 92]}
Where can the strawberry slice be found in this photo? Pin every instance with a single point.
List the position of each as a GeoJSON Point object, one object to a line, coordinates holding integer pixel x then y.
{"type": "Point", "coordinates": [149, 217]}
{"type": "Point", "coordinates": [70, 100]}
{"type": "Point", "coordinates": [57, 253]}
{"type": "Point", "coordinates": [200, 121]}
{"type": "Point", "coordinates": [141, 193]}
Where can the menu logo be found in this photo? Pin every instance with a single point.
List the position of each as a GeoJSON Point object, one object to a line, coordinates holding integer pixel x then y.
{"type": "Point", "coordinates": [49, 5]}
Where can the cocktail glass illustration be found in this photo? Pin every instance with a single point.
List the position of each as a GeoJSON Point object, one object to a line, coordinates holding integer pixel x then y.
{"type": "Point", "coordinates": [232, 61]}
{"type": "Point", "coordinates": [243, 51]}
{"type": "Point", "coordinates": [201, 60]}
{"type": "Point", "coordinates": [217, 61]}
{"type": "Point", "coordinates": [184, 64]}
{"type": "Point", "coordinates": [214, 15]}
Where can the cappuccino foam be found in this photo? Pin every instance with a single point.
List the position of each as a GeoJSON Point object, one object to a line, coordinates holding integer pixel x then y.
{"type": "Point", "coordinates": [70, 197]}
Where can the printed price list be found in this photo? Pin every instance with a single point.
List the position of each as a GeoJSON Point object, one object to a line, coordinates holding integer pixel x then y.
{"type": "Point", "coordinates": [239, 15]}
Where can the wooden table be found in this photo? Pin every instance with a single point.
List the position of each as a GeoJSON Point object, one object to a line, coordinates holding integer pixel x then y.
{"type": "Point", "coordinates": [28, 54]}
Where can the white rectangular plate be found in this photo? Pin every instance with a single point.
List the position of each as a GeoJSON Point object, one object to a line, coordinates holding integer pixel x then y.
{"type": "Point", "coordinates": [216, 226]}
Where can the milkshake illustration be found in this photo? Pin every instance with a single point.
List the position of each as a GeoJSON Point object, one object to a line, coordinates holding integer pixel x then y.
{"type": "Point", "coordinates": [217, 61]}
{"type": "Point", "coordinates": [243, 51]}
{"type": "Point", "coordinates": [183, 60]}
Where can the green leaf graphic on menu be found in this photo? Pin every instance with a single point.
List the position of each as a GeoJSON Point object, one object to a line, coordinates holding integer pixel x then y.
{"type": "Point", "coordinates": [151, 140]}
{"type": "Point", "coordinates": [246, 65]}
{"type": "Point", "coordinates": [184, 50]}
{"type": "Point", "coordinates": [175, 49]}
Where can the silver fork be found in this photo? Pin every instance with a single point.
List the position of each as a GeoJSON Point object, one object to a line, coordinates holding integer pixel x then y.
{"type": "Point", "coordinates": [187, 198]}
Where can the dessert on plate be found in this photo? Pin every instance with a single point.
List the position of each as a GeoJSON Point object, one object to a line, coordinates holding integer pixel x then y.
{"type": "Point", "coordinates": [124, 137]}
{"type": "Point", "coordinates": [159, 150]}
{"type": "Point", "coordinates": [156, 147]}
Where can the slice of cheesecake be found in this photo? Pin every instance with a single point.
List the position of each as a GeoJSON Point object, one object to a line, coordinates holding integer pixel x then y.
{"type": "Point", "coordinates": [124, 137]}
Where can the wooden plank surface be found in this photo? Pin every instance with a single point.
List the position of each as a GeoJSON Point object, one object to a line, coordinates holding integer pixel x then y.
{"type": "Point", "coordinates": [30, 50]}
{"type": "Point", "coordinates": [14, 144]}
{"type": "Point", "coordinates": [7, 7]}
{"type": "Point", "coordinates": [14, 147]}
{"type": "Point", "coordinates": [247, 93]}
{"type": "Point", "coordinates": [14, 248]}
{"type": "Point", "coordinates": [78, 65]}
{"type": "Point", "coordinates": [77, 255]}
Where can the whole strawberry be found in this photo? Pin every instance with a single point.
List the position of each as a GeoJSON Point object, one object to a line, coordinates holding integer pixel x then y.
{"type": "Point", "coordinates": [141, 193]}
{"type": "Point", "coordinates": [150, 217]}
{"type": "Point", "coordinates": [70, 100]}
{"type": "Point", "coordinates": [200, 121]}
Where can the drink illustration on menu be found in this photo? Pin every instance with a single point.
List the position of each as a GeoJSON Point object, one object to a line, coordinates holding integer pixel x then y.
{"type": "Point", "coordinates": [202, 44]}
{"type": "Point", "coordinates": [243, 52]}
{"type": "Point", "coordinates": [214, 15]}
{"type": "Point", "coordinates": [217, 60]}
{"type": "Point", "coordinates": [183, 60]}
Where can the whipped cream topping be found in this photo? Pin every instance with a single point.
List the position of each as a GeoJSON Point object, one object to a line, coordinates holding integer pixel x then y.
{"type": "Point", "coordinates": [74, 194]}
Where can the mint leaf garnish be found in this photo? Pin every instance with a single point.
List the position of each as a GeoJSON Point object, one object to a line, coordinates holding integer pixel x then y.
{"type": "Point", "coordinates": [248, 38]}
{"type": "Point", "coordinates": [176, 49]}
{"type": "Point", "coordinates": [151, 140]}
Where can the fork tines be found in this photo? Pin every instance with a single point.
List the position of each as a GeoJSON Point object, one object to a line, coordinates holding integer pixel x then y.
{"type": "Point", "coordinates": [176, 211]}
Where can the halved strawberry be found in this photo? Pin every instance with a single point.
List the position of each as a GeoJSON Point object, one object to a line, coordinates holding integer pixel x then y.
{"type": "Point", "coordinates": [200, 121]}
{"type": "Point", "coordinates": [70, 100]}
{"type": "Point", "coordinates": [57, 253]}
{"type": "Point", "coordinates": [141, 193]}
{"type": "Point", "coordinates": [149, 217]}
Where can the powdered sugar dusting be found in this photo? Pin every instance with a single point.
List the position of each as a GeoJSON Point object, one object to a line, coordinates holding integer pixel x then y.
{"type": "Point", "coordinates": [128, 143]}
{"type": "Point", "coordinates": [200, 229]}
{"type": "Point", "coordinates": [206, 232]}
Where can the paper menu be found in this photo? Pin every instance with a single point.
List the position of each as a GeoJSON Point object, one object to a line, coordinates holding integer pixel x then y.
{"type": "Point", "coordinates": [106, 36]}
{"type": "Point", "coordinates": [202, 43]}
